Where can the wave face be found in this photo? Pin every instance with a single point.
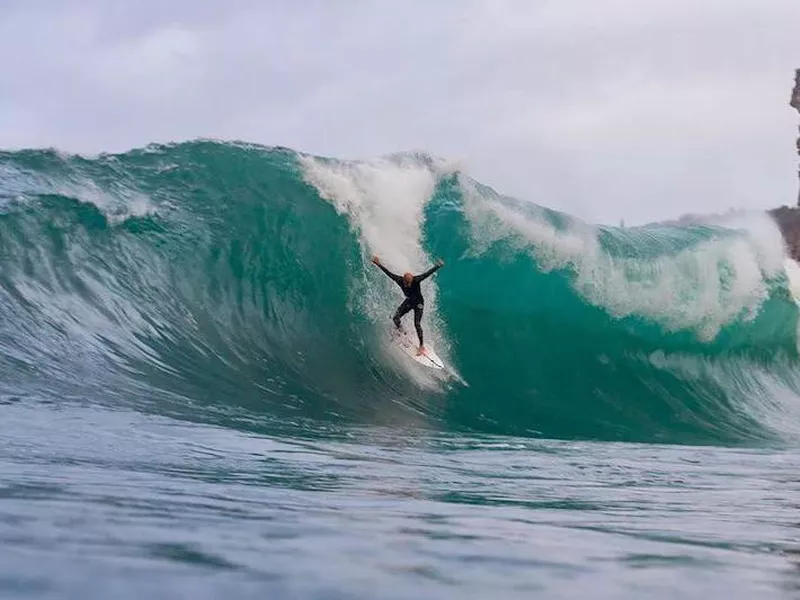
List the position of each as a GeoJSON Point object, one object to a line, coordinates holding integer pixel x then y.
{"type": "Point", "coordinates": [232, 282]}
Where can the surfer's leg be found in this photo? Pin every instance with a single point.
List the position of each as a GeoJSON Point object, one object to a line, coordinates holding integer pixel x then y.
{"type": "Point", "coordinates": [418, 322]}
{"type": "Point", "coordinates": [400, 312]}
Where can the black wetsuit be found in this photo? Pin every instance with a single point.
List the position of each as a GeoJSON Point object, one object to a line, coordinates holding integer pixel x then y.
{"type": "Point", "coordinates": [414, 300]}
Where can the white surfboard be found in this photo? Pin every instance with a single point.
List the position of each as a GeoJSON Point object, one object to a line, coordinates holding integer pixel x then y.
{"type": "Point", "coordinates": [410, 346]}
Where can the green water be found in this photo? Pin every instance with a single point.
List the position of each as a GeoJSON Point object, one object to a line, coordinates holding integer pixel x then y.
{"type": "Point", "coordinates": [99, 504]}
{"type": "Point", "coordinates": [199, 397]}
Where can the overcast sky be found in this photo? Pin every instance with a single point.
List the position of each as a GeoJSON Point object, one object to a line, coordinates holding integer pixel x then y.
{"type": "Point", "coordinates": [642, 109]}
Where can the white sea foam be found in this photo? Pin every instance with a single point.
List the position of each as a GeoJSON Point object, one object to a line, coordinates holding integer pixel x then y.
{"type": "Point", "coordinates": [700, 288]}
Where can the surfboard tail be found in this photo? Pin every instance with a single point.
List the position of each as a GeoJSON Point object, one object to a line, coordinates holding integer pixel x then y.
{"type": "Point", "coordinates": [428, 359]}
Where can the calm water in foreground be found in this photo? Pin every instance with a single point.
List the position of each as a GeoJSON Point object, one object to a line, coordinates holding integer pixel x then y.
{"type": "Point", "coordinates": [111, 504]}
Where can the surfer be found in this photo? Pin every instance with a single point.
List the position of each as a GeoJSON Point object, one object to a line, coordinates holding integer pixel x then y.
{"type": "Point", "coordinates": [409, 283]}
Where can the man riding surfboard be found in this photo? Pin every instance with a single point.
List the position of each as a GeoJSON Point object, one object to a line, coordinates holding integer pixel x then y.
{"type": "Point", "coordinates": [409, 284]}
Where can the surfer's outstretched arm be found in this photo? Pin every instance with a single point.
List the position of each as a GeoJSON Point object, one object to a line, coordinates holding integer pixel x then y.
{"type": "Point", "coordinates": [439, 264]}
{"type": "Point", "coordinates": [391, 275]}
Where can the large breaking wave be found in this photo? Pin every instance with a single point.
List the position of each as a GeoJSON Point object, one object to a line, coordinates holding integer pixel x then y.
{"type": "Point", "coordinates": [232, 281]}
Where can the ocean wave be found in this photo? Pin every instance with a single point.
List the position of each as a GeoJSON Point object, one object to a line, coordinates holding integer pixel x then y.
{"type": "Point", "coordinates": [232, 281]}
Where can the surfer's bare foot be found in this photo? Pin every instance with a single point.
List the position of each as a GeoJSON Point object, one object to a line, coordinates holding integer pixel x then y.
{"type": "Point", "coordinates": [421, 351]}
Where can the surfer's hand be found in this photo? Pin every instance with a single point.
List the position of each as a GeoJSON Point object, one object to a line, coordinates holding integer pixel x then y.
{"type": "Point", "coordinates": [376, 260]}
{"type": "Point", "coordinates": [440, 263]}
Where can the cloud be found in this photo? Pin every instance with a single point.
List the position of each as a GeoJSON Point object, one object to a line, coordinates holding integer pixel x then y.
{"type": "Point", "coordinates": [607, 108]}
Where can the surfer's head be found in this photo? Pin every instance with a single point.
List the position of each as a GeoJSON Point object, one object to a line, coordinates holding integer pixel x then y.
{"type": "Point", "coordinates": [407, 279]}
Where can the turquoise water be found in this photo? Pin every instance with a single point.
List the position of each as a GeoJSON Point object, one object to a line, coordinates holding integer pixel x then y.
{"type": "Point", "coordinates": [101, 503]}
{"type": "Point", "coordinates": [200, 398]}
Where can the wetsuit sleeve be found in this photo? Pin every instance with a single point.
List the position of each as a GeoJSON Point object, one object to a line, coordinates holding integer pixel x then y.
{"type": "Point", "coordinates": [394, 277]}
{"type": "Point", "coordinates": [427, 273]}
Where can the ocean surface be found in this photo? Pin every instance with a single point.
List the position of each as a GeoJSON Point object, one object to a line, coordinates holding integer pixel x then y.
{"type": "Point", "coordinates": [199, 397]}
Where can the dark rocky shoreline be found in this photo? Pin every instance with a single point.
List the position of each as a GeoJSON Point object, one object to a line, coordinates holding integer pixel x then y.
{"type": "Point", "coordinates": [788, 217]}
